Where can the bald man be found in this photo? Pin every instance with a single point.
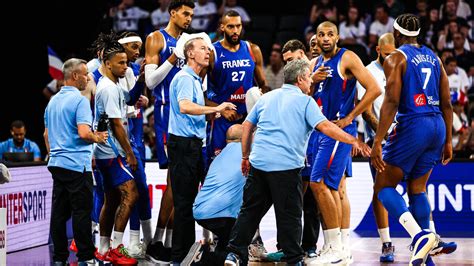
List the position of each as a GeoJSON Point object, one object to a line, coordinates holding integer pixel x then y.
{"type": "Point", "coordinates": [386, 45]}
{"type": "Point", "coordinates": [335, 96]}
{"type": "Point", "coordinates": [218, 202]}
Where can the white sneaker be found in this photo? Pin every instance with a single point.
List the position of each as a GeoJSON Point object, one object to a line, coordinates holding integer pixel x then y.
{"type": "Point", "coordinates": [330, 257]}
{"type": "Point", "coordinates": [256, 251]}
{"type": "Point", "coordinates": [348, 259]}
{"type": "Point", "coordinates": [137, 251]}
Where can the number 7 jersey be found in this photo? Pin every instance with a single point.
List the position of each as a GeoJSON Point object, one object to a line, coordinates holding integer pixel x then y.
{"type": "Point", "coordinates": [420, 90]}
{"type": "Point", "coordinates": [231, 76]}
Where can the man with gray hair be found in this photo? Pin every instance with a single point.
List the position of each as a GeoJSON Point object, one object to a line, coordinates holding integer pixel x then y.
{"type": "Point", "coordinates": [187, 129]}
{"type": "Point", "coordinates": [69, 140]}
{"type": "Point", "coordinates": [284, 119]}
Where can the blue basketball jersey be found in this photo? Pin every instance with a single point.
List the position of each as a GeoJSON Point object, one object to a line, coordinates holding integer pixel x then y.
{"type": "Point", "coordinates": [161, 91]}
{"type": "Point", "coordinates": [231, 76]}
{"type": "Point", "coordinates": [420, 92]}
{"type": "Point", "coordinates": [135, 125]}
{"type": "Point", "coordinates": [335, 95]}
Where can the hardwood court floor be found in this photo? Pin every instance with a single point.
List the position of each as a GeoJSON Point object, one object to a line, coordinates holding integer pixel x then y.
{"type": "Point", "coordinates": [365, 251]}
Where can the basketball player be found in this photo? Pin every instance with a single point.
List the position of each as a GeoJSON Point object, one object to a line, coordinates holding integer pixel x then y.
{"type": "Point", "coordinates": [162, 64]}
{"type": "Point", "coordinates": [417, 87]}
{"type": "Point", "coordinates": [336, 96]}
{"type": "Point", "coordinates": [386, 45]}
{"type": "Point", "coordinates": [235, 65]}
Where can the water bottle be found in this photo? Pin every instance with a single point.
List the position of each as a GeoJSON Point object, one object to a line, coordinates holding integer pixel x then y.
{"type": "Point", "coordinates": [103, 124]}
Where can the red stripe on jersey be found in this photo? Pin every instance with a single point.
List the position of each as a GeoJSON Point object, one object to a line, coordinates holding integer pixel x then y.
{"type": "Point", "coordinates": [344, 85]}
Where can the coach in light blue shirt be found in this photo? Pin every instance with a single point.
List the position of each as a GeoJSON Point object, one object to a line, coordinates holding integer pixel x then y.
{"type": "Point", "coordinates": [283, 119]}
{"type": "Point", "coordinates": [68, 138]}
{"type": "Point", "coordinates": [186, 131]}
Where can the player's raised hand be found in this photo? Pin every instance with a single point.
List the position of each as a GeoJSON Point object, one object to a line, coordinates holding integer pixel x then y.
{"type": "Point", "coordinates": [320, 74]}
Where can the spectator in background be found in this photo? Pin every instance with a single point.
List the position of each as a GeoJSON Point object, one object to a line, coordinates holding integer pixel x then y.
{"type": "Point", "coordinates": [446, 36]}
{"type": "Point", "coordinates": [160, 16]}
{"type": "Point", "coordinates": [205, 13]}
{"type": "Point", "coordinates": [69, 139]}
{"type": "Point", "coordinates": [18, 142]}
{"type": "Point", "coordinates": [430, 26]}
{"type": "Point", "coordinates": [458, 81]}
{"type": "Point", "coordinates": [274, 70]}
{"type": "Point", "coordinates": [422, 8]}
{"type": "Point", "coordinates": [52, 88]}
{"type": "Point", "coordinates": [322, 10]}
{"type": "Point", "coordinates": [352, 30]}
{"type": "Point", "coordinates": [459, 7]}
{"type": "Point", "coordinates": [464, 56]}
{"type": "Point", "coordinates": [127, 16]}
{"type": "Point", "coordinates": [395, 7]}
{"type": "Point", "coordinates": [232, 5]}
{"type": "Point", "coordinates": [382, 24]}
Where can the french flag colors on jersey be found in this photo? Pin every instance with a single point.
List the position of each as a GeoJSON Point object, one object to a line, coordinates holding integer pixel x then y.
{"type": "Point", "coordinates": [55, 65]}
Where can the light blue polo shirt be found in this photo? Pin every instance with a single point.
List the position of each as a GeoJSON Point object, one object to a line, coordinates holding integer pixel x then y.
{"type": "Point", "coordinates": [186, 85]}
{"type": "Point", "coordinates": [284, 119]}
{"type": "Point", "coordinates": [28, 146]}
{"type": "Point", "coordinates": [65, 111]}
{"type": "Point", "coordinates": [222, 192]}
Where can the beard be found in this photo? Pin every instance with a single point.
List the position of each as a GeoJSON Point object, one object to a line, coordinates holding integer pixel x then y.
{"type": "Point", "coordinates": [229, 39]}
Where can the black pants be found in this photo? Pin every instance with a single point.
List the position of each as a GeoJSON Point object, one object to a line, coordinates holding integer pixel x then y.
{"type": "Point", "coordinates": [72, 195]}
{"type": "Point", "coordinates": [186, 171]}
{"type": "Point", "coordinates": [222, 228]}
{"type": "Point", "coordinates": [284, 190]}
{"type": "Point", "coordinates": [311, 221]}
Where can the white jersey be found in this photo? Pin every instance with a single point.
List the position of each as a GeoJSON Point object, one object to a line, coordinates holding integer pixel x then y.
{"type": "Point", "coordinates": [110, 99]}
{"type": "Point", "coordinates": [377, 71]}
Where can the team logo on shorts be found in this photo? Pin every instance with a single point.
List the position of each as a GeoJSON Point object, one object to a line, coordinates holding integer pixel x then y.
{"type": "Point", "coordinates": [420, 99]}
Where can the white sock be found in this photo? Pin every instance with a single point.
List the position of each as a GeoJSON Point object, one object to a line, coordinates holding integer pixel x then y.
{"type": "Point", "coordinates": [94, 226]}
{"type": "Point", "coordinates": [432, 227]}
{"type": "Point", "coordinates": [409, 223]}
{"type": "Point", "coordinates": [104, 244]}
{"type": "Point", "coordinates": [158, 237]}
{"type": "Point", "coordinates": [345, 237]}
{"type": "Point", "coordinates": [146, 228]}
{"type": "Point", "coordinates": [384, 234]}
{"type": "Point", "coordinates": [169, 236]}
{"type": "Point", "coordinates": [134, 237]}
{"type": "Point", "coordinates": [334, 238]}
{"type": "Point", "coordinates": [117, 239]}
{"type": "Point", "coordinates": [326, 239]}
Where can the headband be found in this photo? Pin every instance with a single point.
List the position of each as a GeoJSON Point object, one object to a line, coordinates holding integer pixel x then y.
{"type": "Point", "coordinates": [404, 31]}
{"type": "Point", "coordinates": [130, 39]}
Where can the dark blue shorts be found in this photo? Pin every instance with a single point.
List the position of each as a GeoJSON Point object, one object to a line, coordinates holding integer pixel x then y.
{"type": "Point", "coordinates": [216, 136]}
{"type": "Point", "coordinates": [332, 160]}
{"type": "Point", "coordinates": [161, 114]}
{"type": "Point", "coordinates": [114, 171]}
{"type": "Point", "coordinates": [416, 145]}
{"type": "Point", "coordinates": [310, 152]}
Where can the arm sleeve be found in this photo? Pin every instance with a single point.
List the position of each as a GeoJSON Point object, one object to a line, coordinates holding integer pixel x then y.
{"type": "Point", "coordinates": [314, 116]}
{"type": "Point", "coordinates": [154, 75]}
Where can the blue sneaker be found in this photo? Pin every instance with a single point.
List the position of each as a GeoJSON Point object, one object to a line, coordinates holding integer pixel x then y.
{"type": "Point", "coordinates": [273, 256]}
{"type": "Point", "coordinates": [429, 261]}
{"type": "Point", "coordinates": [422, 244]}
{"type": "Point", "coordinates": [311, 253]}
{"type": "Point", "coordinates": [232, 259]}
{"type": "Point", "coordinates": [387, 252]}
{"type": "Point", "coordinates": [444, 248]}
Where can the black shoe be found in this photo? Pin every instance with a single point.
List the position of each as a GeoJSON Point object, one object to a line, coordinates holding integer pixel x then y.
{"type": "Point", "coordinates": [154, 253]}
